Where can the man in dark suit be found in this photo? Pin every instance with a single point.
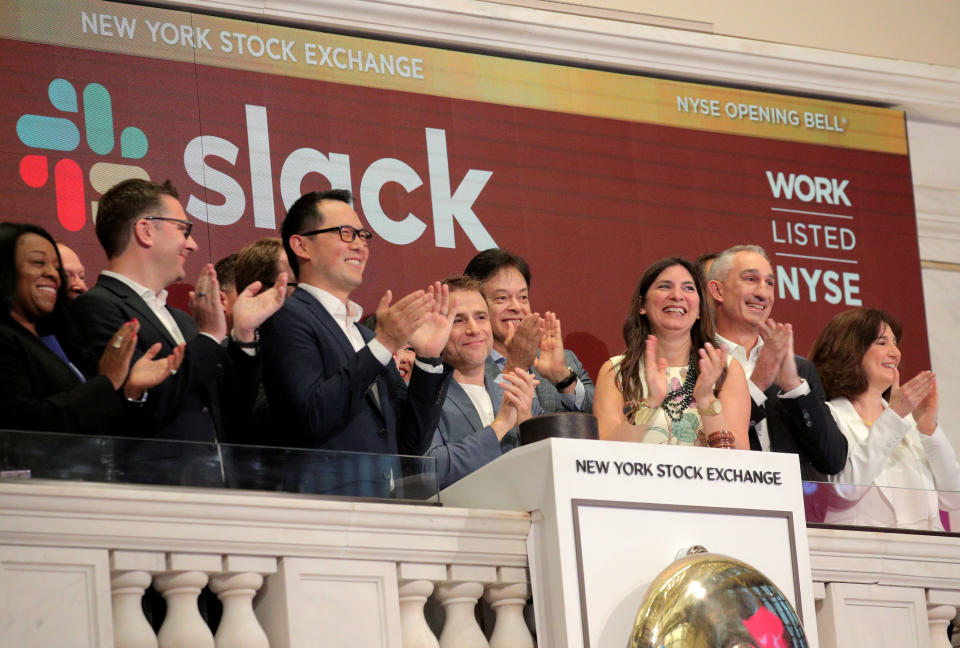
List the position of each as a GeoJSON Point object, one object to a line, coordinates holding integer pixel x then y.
{"type": "Point", "coordinates": [146, 236]}
{"type": "Point", "coordinates": [480, 417]}
{"type": "Point", "coordinates": [331, 382]}
{"type": "Point", "coordinates": [789, 411]}
{"type": "Point", "coordinates": [523, 339]}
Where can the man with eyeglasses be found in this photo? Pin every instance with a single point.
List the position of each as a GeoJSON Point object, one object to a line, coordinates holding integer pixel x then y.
{"type": "Point", "coordinates": [147, 238]}
{"type": "Point", "coordinates": [332, 382]}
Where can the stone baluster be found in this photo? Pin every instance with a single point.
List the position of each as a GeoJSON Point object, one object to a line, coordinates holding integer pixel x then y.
{"type": "Point", "coordinates": [939, 616]}
{"type": "Point", "coordinates": [507, 597]}
{"type": "Point", "coordinates": [416, 632]}
{"type": "Point", "coordinates": [415, 584]}
{"type": "Point", "coordinates": [180, 585]}
{"type": "Point", "coordinates": [242, 577]}
{"type": "Point", "coordinates": [459, 595]}
{"type": "Point", "coordinates": [942, 607]}
{"type": "Point", "coordinates": [130, 576]}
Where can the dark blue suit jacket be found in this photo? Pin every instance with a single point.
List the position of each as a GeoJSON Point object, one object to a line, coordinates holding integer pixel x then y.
{"type": "Point", "coordinates": [319, 388]}
{"type": "Point", "coordinates": [214, 386]}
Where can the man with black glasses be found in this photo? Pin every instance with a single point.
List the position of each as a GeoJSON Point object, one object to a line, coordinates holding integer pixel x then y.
{"type": "Point", "coordinates": [147, 238]}
{"type": "Point", "coordinates": [332, 382]}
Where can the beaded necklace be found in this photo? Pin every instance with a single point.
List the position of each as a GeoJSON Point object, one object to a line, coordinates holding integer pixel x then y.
{"type": "Point", "coordinates": [678, 400]}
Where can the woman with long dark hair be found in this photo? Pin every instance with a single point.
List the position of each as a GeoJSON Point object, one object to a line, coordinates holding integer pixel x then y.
{"type": "Point", "coordinates": [895, 441]}
{"type": "Point", "coordinates": [48, 380]}
{"type": "Point", "coordinates": [673, 383]}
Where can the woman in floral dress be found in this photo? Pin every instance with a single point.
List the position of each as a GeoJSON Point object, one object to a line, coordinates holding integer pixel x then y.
{"type": "Point", "coordinates": [673, 384]}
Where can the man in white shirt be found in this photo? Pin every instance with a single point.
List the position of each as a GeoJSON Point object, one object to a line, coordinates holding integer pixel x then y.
{"type": "Point", "coordinates": [480, 417]}
{"type": "Point", "coordinates": [147, 238]}
{"type": "Point", "coordinates": [332, 382]}
{"type": "Point", "coordinates": [789, 412]}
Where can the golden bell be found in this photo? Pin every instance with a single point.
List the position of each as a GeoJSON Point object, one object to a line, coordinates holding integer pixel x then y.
{"type": "Point", "coordinates": [708, 600]}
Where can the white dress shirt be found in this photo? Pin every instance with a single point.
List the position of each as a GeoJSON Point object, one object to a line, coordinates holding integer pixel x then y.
{"type": "Point", "coordinates": [157, 303]}
{"type": "Point", "coordinates": [346, 316]}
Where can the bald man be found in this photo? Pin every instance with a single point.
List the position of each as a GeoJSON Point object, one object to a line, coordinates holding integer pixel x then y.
{"type": "Point", "coordinates": [73, 269]}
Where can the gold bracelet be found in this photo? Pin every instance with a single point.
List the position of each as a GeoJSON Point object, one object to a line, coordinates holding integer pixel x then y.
{"type": "Point", "coordinates": [644, 413]}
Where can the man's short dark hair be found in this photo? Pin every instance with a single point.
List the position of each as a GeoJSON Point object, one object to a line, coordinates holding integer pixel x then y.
{"type": "Point", "coordinates": [258, 262]}
{"type": "Point", "coordinates": [224, 269]}
{"type": "Point", "coordinates": [304, 215]}
{"type": "Point", "coordinates": [489, 262]}
{"type": "Point", "coordinates": [122, 205]}
{"type": "Point", "coordinates": [464, 282]}
{"type": "Point", "coordinates": [701, 263]}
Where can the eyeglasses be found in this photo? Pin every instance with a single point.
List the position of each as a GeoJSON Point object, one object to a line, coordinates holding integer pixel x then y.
{"type": "Point", "coordinates": [185, 226]}
{"type": "Point", "coordinates": [348, 234]}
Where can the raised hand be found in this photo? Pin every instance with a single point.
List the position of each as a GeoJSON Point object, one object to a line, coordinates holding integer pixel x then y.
{"type": "Point", "coordinates": [148, 372]}
{"type": "Point", "coordinates": [522, 342]}
{"type": "Point", "coordinates": [777, 341]}
{"type": "Point", "coordinates": [519, 389]}
{"type": "Point", "coordinates": [115, 361]}
{"type": "Point", "coordinates": [253, 306]}
{"type": "Point", "coordinates": [397, 322]}
{"type": "Point", "coordinates": [712, 362]}
{"type": "Point", "coordinates": [431, 336]}
{"type": "Point", "coordinates": [905, 399]}
{"type": "Point", "coordinates": [925, 413]}
{"type": "Point", "coordinates": [788, 377]}
{"type": "Point", "coordinates": [654, 373]}
{"type": "Point", "coordinates": [206, 306]}
{"type": "Point", "coordinates": [551, 363]}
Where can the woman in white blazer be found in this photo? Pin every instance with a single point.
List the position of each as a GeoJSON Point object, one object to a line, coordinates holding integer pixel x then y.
{"type": "Point", "coordinates": [898, 457]}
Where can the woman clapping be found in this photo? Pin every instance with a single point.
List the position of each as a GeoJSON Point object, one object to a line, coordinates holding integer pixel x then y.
{"type": "Point", "coordinates": [673, 383]}
{"type": "Point", "coordinates": [896, 445]}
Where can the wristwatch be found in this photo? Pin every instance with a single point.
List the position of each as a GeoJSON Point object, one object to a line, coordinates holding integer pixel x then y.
{"type": "Point", "coordinates": [712, 409]}
{"type": "Point", "coordinates": [569, 380]}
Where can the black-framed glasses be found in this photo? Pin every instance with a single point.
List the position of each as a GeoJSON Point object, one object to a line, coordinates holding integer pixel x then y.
{"type": "Point", "coordinates": [185, 226]}
{"type": "Point", "coordinates": [347, 233]}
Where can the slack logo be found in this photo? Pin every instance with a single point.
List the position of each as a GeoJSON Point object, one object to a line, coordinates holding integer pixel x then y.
{"type": "Point", "coordinates": [61, 134]}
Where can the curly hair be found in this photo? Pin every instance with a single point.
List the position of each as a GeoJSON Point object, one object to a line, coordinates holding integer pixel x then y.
{"type": "Point", "coordinates": [839, 349]}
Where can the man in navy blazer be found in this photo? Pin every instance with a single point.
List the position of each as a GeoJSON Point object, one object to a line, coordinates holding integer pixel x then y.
{"type": "Point", "coordinates": [480, 418]}
{"type": "Point", "coordinates": [788, 405]}
{"type": "Point", "coordinates": [147, 238]}
{"type": "Point", "coordinates": [331, 382]}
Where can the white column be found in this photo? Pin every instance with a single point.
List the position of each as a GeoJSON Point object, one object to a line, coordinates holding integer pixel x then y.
{"type": "Point", "coordinates": [238, 627]}
{"type": "Point", "coordinates": [130, 627]}
{"type": "Point", "coordinates": [460, 630]}
{"type": "Point", "coordinates": [942, 607]}
{"type": "Point", "coordinates": [507, 601]}
{"type": "Point", "coordinates": [183, 627]}
{"type": "Point", "coordinates": [130, 575]}
{"type": "Point", "coordinates": [939, 616]}
{"type": "Point", "coordinates": [416, 632]}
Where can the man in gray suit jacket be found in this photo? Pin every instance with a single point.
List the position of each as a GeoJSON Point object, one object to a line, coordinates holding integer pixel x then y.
{"type": "Point", "coordinates": [523, 339]}
{"type": "Point", "coordinates": [479, 417]}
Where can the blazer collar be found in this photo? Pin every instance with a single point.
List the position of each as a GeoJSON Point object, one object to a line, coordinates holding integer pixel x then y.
{"type": "Point", "coordinates": [135, 302]}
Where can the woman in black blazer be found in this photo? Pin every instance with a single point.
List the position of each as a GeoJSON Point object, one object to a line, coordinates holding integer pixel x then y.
{"type": "Point", "coordinates": [48, 380]}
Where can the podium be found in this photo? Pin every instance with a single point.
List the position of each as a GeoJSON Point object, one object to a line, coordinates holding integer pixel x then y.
{"type": "Point", "coordinates": [608, 516]}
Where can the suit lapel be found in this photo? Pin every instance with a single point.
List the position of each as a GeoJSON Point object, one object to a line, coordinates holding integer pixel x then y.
{"type": "Point", "coordinates": [457, 396]}
{"type": "Point", "coordinates": [333, 330]}
{"type": "Point", "coordinates": [135, 302]}
{"type": "Point", "coordinates": [329, 324]}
